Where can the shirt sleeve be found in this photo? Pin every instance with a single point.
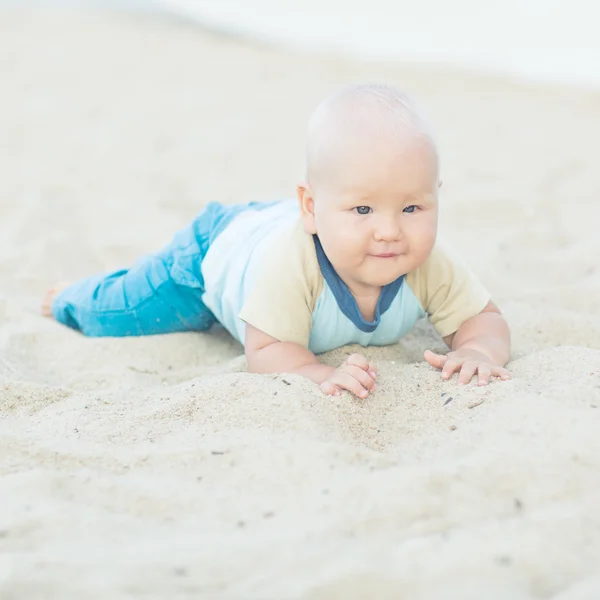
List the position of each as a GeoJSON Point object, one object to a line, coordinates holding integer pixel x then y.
{"type": "Point", "coordinates": [447, 289]}
{"type": "Point", "coordinates": [287, 283]}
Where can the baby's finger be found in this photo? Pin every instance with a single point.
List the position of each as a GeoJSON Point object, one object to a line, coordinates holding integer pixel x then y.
{"type": "Point", "coordinates": [435, 360]}
{"type": "Point", "coordinates": [450, 366]}
{"type": "Point", "coordinates": [358, 360]}
{"type": "Point", "coordinates": [466, 373]}
{"type": "Point", "coordinates": [483, 375]}
{"type": "Point", "coordinates": [364, 378]}
{"type": "Point", "coordinates": [329, 389]}
{"type": "Point", "coordinates": [372, 370]}
{"type": "Point", "coordinates": [345, 381]}
{"type": "Point", "coordinates": [501, 372]}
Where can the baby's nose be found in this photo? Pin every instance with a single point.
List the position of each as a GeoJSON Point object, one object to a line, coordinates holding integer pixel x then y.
{"type": "Point", "coordinates": [388, 231]}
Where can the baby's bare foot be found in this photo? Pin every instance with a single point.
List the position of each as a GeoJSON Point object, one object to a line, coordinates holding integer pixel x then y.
{"type": "Point", "coordinates": [50, 295]}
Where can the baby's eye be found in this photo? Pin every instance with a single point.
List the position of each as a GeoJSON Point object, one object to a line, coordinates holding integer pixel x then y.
{"type": "Point", "coordinates": [363, 210]}
{"type": "Point", "coordinates": [410, 209]}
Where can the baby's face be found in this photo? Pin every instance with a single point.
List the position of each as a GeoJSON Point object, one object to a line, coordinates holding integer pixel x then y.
{"type": "Point", "coordinates": [376, 217]}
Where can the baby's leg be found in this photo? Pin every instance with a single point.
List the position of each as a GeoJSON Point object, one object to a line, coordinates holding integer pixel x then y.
{"type": "Point", "coordinates": [143, 300]}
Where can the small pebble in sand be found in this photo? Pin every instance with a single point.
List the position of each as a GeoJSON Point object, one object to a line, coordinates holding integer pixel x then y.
{"type": "Point", "coordinates": [476, 403]}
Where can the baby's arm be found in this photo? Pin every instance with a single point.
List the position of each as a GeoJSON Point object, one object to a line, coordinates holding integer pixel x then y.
{"type": "Point", "coordinates": [487, 333]}
{"type": "Point", "coordinates": [265, 354]}
{"type": "Point", "coordinates": [460, 309]}
{"type": "Point", "coordinates": [480, 345]}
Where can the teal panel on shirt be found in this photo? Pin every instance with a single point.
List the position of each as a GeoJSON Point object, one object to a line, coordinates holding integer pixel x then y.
{"type": "Point", "coordinates": [332, 329]}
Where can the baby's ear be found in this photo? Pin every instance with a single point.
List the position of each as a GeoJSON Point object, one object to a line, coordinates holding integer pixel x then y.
{"type": "Point", "coordinates": [307, 207]}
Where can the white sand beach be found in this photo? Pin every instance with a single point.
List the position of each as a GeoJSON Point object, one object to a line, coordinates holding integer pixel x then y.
{"type": "Point", "coordinates": [157, 467]}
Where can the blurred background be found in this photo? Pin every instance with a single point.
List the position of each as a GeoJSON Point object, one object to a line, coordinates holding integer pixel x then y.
{"type": "Point", "coordinates": [549, 40]}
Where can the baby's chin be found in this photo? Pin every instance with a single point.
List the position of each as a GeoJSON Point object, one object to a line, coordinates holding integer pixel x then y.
{"type": "Point", "coordinates": [381, 280]}
{"type": "Point", "coordinates": [380, 275]}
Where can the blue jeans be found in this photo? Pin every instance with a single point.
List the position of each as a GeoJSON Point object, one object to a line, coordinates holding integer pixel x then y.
{"type": "Point", "coordinates": [159, 294]}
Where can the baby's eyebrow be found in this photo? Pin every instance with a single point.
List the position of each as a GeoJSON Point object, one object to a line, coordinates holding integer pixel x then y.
{"type": "Point", "coordinates": [361, 200]}
{"type": "Point", "coordinates": [404, 199]}
{"type": "Point", "coordinates": [426, 198]}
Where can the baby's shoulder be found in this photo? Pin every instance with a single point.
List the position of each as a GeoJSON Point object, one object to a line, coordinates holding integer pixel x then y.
{"type": "Point", "coordinates": [282, 293]}
{"type": "Point", "coordinates": [290, 253]}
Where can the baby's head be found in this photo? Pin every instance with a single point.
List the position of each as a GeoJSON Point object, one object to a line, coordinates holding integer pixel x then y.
{"type": "Point", "coordinates": [371, 185]}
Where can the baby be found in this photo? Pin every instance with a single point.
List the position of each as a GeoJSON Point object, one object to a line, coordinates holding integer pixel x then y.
{"type": "Point", "coordinates": [355, 259]}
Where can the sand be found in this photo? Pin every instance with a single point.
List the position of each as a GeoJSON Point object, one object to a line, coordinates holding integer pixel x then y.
{"type": "Point", "coordinates": [157, 467]}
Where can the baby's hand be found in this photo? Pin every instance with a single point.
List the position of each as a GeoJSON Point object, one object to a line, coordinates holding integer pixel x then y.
{"type": "Point", "coordinates": [466, 362]}
{"type": "Point", "coordinates": [356, 374]}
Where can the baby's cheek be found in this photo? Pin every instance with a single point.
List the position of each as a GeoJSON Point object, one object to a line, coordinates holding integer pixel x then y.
{"type": "Point", "coordinates": [424, 238]}
{"type": "Point", "coordinates": [349, 242]}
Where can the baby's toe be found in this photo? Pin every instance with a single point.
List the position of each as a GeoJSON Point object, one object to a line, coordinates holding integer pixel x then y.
{"type": "Point", "coordinates": [46, 307]}
{"type": "Point", "coordinates": [47, 303]}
